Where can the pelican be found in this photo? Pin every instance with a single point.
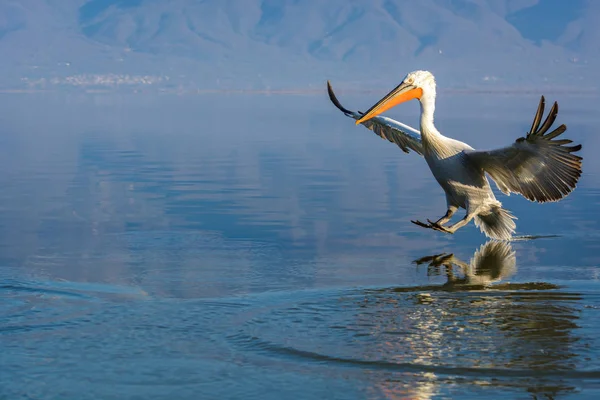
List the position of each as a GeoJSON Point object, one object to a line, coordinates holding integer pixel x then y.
{"type": "Point", "coordinates": [536, 166]}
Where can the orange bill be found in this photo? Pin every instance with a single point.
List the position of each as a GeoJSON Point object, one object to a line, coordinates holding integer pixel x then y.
{"type": "Point", "coordinates": [400, 94]}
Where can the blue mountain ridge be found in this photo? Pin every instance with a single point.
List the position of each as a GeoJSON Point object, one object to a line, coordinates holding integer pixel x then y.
{"type": "Point", "coordinates": [297, 44]}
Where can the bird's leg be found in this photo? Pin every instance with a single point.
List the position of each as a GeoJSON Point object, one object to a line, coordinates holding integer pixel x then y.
{"type": "Point", "coordinates": [438, 224]}
{"type": "Point", "coordinates": [447, 216]}
{"type": "Point", "coordinates": [453, 228]}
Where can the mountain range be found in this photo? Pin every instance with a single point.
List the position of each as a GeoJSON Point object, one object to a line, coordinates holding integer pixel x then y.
{"type": "Point", "coordinates": [297, 44]}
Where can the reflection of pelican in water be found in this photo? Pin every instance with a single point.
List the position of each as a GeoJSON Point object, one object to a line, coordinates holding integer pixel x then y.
{"type": "Point", "coordinates": [518, 336]}
{"type": "Point", "coordinates": [492, 262]}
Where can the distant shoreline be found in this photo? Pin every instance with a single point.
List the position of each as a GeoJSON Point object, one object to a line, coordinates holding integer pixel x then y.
{"type": "Point", "coordinates": [302, 92]}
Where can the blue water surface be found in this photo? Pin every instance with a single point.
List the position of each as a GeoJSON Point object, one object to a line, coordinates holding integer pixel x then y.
{"type": "Point", "coordinates": [245, 246]}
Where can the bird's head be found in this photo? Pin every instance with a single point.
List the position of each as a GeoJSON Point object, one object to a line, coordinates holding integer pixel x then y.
{"type": "Point", "coordinates": [416, 85]}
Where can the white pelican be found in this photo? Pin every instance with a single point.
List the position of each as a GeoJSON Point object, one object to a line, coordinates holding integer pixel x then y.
{"type": "Point", "coordinates": [536, 166]}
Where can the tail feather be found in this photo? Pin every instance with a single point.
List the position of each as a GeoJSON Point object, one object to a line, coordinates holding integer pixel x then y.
{"type": "Point", "coordinates": [496, 222]}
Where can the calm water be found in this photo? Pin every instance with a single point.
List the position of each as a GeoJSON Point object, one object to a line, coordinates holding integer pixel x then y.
{"type": "Point", "coordinates": [260, 247]}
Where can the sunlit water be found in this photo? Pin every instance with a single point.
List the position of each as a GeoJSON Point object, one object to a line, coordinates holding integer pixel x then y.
{"type": "Point", "coordinates": [261, 247]}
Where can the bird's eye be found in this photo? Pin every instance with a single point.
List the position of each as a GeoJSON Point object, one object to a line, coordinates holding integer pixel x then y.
{"type": "Point", "coordinates": [410, 80]}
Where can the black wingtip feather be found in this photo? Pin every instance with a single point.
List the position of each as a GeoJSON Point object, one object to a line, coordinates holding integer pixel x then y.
{"type": "Point", "coordinates": [335, 101]}
{"type": "Point", "coordinates": [538, 116]}
{"type": "Point", "coordinates": [561, 142]}
{"type": "Point", "coordinates": [558, 131]}
{"type": "Point", "coordinates": [549, 120]}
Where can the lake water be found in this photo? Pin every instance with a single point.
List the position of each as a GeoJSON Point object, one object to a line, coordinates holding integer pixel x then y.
{"type": "Point", "coordinates": [260, 247]}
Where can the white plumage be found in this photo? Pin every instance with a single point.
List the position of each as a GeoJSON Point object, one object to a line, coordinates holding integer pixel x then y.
{"type": "Point", "coordinates": [537, 166]}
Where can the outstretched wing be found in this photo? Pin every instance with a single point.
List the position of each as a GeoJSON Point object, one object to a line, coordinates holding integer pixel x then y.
{"type": "Point", "coordinates": [396, 132]}
{"type": "Point", "coordinates": [536, 166]}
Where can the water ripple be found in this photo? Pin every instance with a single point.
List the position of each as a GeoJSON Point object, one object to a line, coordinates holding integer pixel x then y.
{"type": "Point", "coordinates": [513, 330]}
{"type": "Point", "coordinates": [257, 344]}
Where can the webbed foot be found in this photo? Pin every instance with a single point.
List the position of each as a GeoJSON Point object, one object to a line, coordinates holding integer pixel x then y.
{"type": "Point", "coordinates": [421, 224]}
